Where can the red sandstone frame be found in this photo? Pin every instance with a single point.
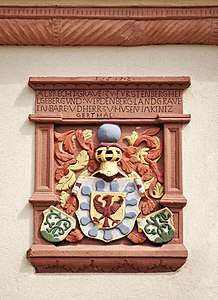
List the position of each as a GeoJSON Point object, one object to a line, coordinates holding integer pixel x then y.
{"type": "Point", "coordinates": [113, 258]}
{"type": "Point", "coordinates": [112, 26]}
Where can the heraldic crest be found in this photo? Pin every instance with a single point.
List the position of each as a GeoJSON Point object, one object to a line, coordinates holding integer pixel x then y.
{"type": "Point", "coordinates": [108, 189]}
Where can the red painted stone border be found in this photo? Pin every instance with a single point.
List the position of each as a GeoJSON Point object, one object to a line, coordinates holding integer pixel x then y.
{"type": "Point", "coordinates": [113, 26]}
{"type": "Point", "coordinates": [114, 258]}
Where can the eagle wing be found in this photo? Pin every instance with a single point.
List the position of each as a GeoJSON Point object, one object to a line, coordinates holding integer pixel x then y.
{"type": "Point", "coordinates": [116, 205]}
{"type": "Point", "coordinates": [98, 205]}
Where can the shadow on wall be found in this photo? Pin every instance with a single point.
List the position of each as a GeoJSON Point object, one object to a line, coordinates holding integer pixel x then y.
{"type": "Point", "coordinates": [24, 99]}
{"type": "Point", "coordinates": [26, 214]}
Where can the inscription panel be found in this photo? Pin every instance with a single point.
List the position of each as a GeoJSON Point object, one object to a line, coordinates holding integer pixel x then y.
{"type": "Point", "coordinates": [108, 103]}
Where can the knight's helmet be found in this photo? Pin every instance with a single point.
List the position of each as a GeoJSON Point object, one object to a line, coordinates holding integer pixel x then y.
{"type": "Point", "coordinates": [109, 152]}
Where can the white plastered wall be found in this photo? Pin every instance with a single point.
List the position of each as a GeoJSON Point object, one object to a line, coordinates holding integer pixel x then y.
{"type": "Point", "coordinates": [197, 279]}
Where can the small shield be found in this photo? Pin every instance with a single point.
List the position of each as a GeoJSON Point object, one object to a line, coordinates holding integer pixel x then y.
{"type": "Point", "coordinates": [158, 226]}
{"type": "Point", "coordinates": [107, 209]}
{"type": "Point", "coordinates": [56, 224]}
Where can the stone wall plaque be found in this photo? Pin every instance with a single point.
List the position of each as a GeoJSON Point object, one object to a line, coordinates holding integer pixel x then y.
{"type": "Point", "coordinates": [108, 174]}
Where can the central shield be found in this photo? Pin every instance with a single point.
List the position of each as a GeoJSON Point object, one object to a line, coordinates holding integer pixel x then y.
{"type": "Point", "coordinates": [107, 210]}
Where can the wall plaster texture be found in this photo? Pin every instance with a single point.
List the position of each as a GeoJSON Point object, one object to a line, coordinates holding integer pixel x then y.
{"type": "Point", "coordinates": [111, 2]}
{"type": "Point", "coordinates": [198, 278]}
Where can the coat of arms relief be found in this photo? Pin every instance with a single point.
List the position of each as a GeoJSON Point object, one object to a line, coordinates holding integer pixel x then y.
{"type": "Point", "coordinates": [108, 193]}
{"type": "Point", "coordinates": [109, 183]}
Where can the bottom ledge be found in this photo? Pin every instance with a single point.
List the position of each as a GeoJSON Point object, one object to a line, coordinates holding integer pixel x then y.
{"type": "Point", "coordinates": [116, 259]}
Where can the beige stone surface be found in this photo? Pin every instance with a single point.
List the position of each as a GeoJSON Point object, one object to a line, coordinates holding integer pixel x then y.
{"type": "Point", "coordinates": [112, 2]}
{"type": "Point", "coordinates": [197, 280]}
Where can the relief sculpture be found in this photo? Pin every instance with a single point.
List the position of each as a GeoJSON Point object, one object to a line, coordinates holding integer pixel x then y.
{"type": "Point", "coordinates": [110, 189]}
{"type": "Point", "coordinates": [108, 193]}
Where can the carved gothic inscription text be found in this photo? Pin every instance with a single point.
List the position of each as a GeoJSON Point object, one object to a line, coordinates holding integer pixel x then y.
{"type": "Point", "coordinates": [107, 103]}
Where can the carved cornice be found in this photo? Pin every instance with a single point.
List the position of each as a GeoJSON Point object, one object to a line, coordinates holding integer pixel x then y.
{"type": "Point", "coordinates": [43, 83]}
{"type": "Point", "coordinates": [74, 26]}
{"type": "Point", "coordinates": [46, 258]}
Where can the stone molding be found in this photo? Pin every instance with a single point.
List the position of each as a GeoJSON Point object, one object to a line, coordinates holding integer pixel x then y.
{"type": "Point", "coordinates": [111, 26]}
{"type": "Point", "coordinates": [96, 259]}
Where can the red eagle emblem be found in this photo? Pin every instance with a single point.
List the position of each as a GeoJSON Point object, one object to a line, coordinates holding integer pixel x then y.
{"type": "Point", "coordinates": [107, 209]}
